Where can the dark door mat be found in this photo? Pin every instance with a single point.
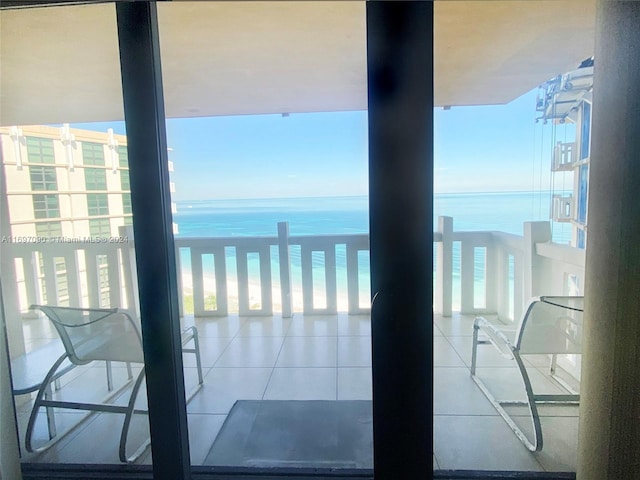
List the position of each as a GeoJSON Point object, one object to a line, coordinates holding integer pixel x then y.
{"type": "Point", "coordinates": [295, 433]}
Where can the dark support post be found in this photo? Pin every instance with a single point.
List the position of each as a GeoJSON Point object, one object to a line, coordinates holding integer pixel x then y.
{"type": "Point", "coordinates": [152, 225]}
{"type": "Point", "coordinates": [400, 82]}
{"type": "Point", "coordinates": [610, 391]}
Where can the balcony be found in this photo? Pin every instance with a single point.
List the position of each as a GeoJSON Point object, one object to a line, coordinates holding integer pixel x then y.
{"type": "Point", "coordinates": [562, 208]}
{"type": "Point", "coordinates": [303, 331]}
{"type": "Point", "coordinates": [565, 156]}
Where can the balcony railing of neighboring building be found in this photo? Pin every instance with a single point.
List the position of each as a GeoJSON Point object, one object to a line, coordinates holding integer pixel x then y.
{"type": "Point", "coordinates": [479, 272]}
{"type": "Point", "coordinates": [564, 156]}
{"type": "Point", "coordinates": [562, 208]}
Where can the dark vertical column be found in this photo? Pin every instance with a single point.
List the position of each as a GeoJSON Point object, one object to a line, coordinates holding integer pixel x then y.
{"type": "Point", "coordinates": [153, 233]}
{"type": "Point", "coordinates": [400, 81]}
{"type": "Point", "coordinates": [610, 391]}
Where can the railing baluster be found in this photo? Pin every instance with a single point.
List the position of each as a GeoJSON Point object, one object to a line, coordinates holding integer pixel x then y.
{"type": "Point", "coordinates": [306, 262]}
{"type": "Point", "coordinates": [330, 279]}
{"type": "Point", "coordinates": [73, 283]}
{"type": "Point", "coordinates": [243, 281]}
{"type": "Point", "coordinates": [444, 266]}
{"type": "Point", "coordinates": [49, 270]}
{"type": "Point", "coordinates": [93, 277]}
{"type": "Point", "coordinates": [353, 281]}
{"type": "Point", "coordinates": [220, 266]}
{"type": "Point", "coordinates": [30, 279]}
{"type": "Point", "coordinates": [114, 278]}
{"type": "Point", "coordinates": [467, 268]}
{"type": "Point", "coordinates": [266, 287]}
{"type": "Point", "coordinates": [284, 259]}
{"type": "Point", "coordinates": [197, 282]}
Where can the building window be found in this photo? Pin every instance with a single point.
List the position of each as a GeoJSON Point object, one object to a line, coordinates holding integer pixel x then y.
{"type": "Point", "coordinates": [124, 180]}
{"type": "Point", "coordinates": [99, 227]}
{"type": "Point", "coordinates": [92, 153]}
{"type": "Point", "coordinates": [123, 156]}
{"type": "Point", "coordinates": [43, 178]}
{"type": "Point", "coordinates": [40, 150]}
{"type": "Point", "coordinates": [97, 204]}
{"type": "Point", "coordinates": [585, 137]}
{"type": "Point", "coordinates": [46, 206]}
{"type": "Point", "coordinates": [128, 220]}
{"type": "Point", "coordinates": [49, 229]}
{"type": "Point", "coordinates": [95, 179]}
{"type": "Point", "coordinates": [583, 185]}
{"type": "Point", "coordinates": [126, 203]}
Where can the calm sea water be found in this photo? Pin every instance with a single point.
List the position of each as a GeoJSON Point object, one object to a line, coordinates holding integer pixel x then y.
{"type": "Point", "coordinates": [340, 215]}
{"type": "Point", "coordinates": [346, 215]}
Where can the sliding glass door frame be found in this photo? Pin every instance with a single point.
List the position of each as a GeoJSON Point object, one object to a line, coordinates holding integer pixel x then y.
{"type": "Point", "coordinates": [400, 79]}
{"type": "Point", "coordinates": [152, 226]}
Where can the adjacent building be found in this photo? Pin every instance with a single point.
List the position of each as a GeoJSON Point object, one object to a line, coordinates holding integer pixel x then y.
{"type": "Point", "coordinates": [567, 98]}
{"type": "Point", "coordinates": [64, 183]}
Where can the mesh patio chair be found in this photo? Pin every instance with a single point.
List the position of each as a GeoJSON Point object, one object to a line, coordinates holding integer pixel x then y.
{"type": "Point", "coordinates": [93, 334]}
{"type": "Point", "coordinates": [551, 326]}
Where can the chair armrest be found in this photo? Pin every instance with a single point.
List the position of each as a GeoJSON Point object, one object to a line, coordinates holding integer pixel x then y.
{"type": "Point", "coordinates": [188, 334]}
{"type": "Point", "coordinates": [495, 335]}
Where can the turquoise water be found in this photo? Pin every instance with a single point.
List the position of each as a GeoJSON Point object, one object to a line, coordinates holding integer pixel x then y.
{"type": "Point", "coordinates": [340, 215]}
{"type": "Point", "coordinates": [348, 215]}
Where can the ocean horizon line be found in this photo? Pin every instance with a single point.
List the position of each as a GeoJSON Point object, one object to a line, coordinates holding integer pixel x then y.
{"type": "Point", "coordinates": [235, 199]}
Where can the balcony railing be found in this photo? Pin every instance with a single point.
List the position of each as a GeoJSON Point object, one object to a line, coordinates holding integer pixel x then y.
{"type": "Point", "coordinates": [479, 272]}
{"type": "Point", "coordinates": [565, 155]}
{"type": "Point", "coordinates": [562, 208]}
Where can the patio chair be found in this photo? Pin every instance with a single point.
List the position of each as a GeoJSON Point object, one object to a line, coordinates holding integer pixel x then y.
{"type": "Point", "coordinates": [95, 334]}
{"type": "Point", "coordinates": [551, 326]}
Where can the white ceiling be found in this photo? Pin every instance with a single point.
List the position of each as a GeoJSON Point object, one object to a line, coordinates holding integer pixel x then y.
{"type": "Point", "coordinates": [60, 64]}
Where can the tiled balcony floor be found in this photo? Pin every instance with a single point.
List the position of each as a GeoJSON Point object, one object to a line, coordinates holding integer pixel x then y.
{"type": "Point", "coordinates": [323, 358]}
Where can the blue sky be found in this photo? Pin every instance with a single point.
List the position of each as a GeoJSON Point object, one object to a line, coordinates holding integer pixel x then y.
{"type": "Point", "coordinates": [477, 149]}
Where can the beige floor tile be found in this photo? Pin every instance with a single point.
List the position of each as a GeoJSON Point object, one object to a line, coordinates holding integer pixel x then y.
{"type": "Point", "coordinates": [444, 355]}
{"type": "Point", "coordinates": [354, 351]}
{"type": "Point", "coordinates": [314, 326]}
{"type": "Point", "coordinates": [265, 327]}
{"type": "Point", "coordinates": [251, 352]}
{"type": "Point", "coordinates": [354, 383]}
{"type": "Point", "coordinates": [302, 384]}
{"type": "Point", "coordinates": [354, 325]}
{"type": "Point", "coordinates": [223, 386]}
{"type": "Point", "coordinates": [308, 352]}
{"type": "Point", "coordinates": [218, 326]}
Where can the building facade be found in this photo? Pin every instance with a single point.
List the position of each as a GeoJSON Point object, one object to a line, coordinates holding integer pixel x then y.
{"type": "Point", "coordinates": [567, 99]}
{"type": "Point", "coordinates": [65, 183]}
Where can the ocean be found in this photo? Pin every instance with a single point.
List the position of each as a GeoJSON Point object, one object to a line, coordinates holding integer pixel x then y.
{"type": "Point", "coordinates": [342, 215]}
{"type": "Point", "coordinates": [504, 212]}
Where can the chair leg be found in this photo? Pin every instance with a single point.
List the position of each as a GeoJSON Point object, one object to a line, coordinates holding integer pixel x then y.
{"type": "Point", "coordinates": [553, 364]}
{"type": "Point", "coordinates": [51, 418]}
{"type": "Point", "coordinates": [533, 408]}
{"type": "Point", "coordinates": [109, 375]}
{"type": "Point", "coordinates": [127, 423]}
{"type": "Point", "coordinates": [536, 445]}
{"type": "Point", "coordinates": [474, 352]}
{"type": "Point", "coordinates": [196, 346]}
{"type": "Point", "coordinates": [43, 392]}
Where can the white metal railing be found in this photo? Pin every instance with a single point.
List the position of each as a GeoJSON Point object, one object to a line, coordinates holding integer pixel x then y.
{"type": "Point", "coordinates": [475, 273]}
{"type": "Point", "coordinates": [564, 156]}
